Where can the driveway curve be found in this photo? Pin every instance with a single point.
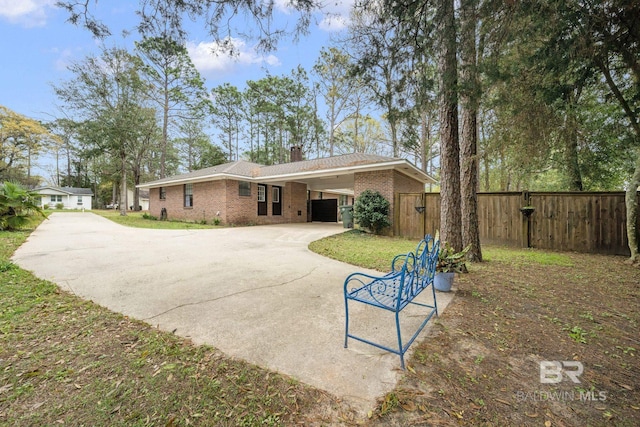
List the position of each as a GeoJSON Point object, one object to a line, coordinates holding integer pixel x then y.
{"type": "Point", "coordinates": [256, 293]}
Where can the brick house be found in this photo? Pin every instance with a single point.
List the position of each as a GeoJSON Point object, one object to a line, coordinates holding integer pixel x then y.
{"type": "Point", "coordinates": [242, 192]}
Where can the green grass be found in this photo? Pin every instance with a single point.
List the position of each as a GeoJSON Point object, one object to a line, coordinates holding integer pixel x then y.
{"type": "Point", "coordinates": [135, 219]}
{"type": "Point", "coordinates": [362, 249]}
{"type": "Point", "coordinates": [375, 252]}
{"type": "Point", "coordinates": [525, 256]}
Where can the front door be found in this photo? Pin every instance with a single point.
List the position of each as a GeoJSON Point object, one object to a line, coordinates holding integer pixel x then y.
{"type": "Point", "coordinates": [276, 204]}
{"type": "Point", "coordinates": [262, 199]}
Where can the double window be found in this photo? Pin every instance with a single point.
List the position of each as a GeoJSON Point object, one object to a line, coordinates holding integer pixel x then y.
{"type": "Point", "coordinates": [55, 198]}
{"type": "Point", "coordinates": [188, 195]}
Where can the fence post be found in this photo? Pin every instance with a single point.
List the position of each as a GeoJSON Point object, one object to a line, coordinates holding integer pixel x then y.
{"type": "Point", "coordinates": [526, 220]}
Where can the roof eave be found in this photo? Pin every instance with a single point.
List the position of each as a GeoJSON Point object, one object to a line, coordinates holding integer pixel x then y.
{"type": "Point", "coordinates": [417, 173]}
{"type": "Point", "coordinates": [193, 180]}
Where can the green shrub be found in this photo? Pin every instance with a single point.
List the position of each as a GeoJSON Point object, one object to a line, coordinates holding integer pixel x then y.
{"type": "Point", "coordinates": [17, 206]}
{"type": "Point", "coordinates": [371, 211]}
{"type": "Point", "coordinates": [146, 215]}
{"type": "Point", "coordinates": [59, 205]}
{"type": "Point", "coordinates": [216, 221]}
{"type": "Point", "coordinates": [46, 206]}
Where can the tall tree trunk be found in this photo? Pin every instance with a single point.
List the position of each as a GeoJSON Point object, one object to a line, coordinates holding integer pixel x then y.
{"type": "Point", "coordinates": [123, 184]}
{"type": "Point", "coordinates": [425, 140]}
{"type": "Point", "coordinates": [634, 182]}
{"type": "Point", "coordinates": [450, 213]}
{"type": "Point", "coordinates": [631, 200]}
{"type": "Point", "coordinates": [574, 175]}
{"type": "Point", "coordinates": [469, 96]}
{"type": "Point", "coordinates": [165, 130]}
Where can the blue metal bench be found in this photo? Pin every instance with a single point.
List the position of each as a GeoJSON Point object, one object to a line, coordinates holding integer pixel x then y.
{"type": "Point", "coordinates": [410, 274]}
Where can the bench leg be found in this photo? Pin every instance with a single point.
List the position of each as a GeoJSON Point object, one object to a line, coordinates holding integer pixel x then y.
{"type": "Point", "coordinates": [346, 328]}
{"type": "Point", "coordinates": [399, 340]}
{"type": "Point", "coordinates": [435, 303]}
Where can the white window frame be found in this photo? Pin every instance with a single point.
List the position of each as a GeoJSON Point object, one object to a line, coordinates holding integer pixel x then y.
{"type": "Point", "coordinates": [188, 191]}
{"type": "Point", "coordinates": [275, 194]}
{"type": "Point", "coordinates": [262, 193]}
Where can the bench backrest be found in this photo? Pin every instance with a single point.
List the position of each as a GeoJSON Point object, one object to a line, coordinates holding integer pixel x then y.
{"type": "Point", "coordinates": [426, 259]}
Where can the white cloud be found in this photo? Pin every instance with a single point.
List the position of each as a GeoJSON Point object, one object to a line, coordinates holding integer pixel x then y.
{"type": "Point", "coordinates": [336, 15]}
{"type": "Point", "coordinates": [212, 57]}
{"type": "Point", "coordinates": [30, 13]}
{"type": "Point", "coordinates": [65, 56]}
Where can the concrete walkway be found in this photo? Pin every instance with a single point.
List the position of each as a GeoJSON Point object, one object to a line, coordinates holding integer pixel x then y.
{"type": "Point", "coordinates": [255, 293]}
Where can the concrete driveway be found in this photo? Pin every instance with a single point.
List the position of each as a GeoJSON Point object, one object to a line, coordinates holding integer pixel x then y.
{"type": "Point", "coordinates": [256, 293]}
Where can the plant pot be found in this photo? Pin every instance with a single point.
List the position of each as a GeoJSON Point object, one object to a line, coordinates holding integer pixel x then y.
{"type": "Point", "coordinates": [443, 281]}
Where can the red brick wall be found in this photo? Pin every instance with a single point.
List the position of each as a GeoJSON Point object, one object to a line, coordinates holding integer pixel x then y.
{"type": "Point", "coordinates": [241, 210]}
{"type": "Point", "coordinates": [209, 199]}
{"type": "Point", "coordinates": [222, 199]}
{"type": "Point", "coordinates": [388, 183]}
{"type": "Point", "coordinates": [295, 200]}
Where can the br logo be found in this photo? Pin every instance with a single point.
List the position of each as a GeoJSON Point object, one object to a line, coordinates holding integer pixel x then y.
{"type": "Point", "coordinates": [551, 371]}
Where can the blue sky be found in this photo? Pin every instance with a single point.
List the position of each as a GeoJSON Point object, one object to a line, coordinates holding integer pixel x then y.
{"type": "Point", "coordinates": [37, 45]}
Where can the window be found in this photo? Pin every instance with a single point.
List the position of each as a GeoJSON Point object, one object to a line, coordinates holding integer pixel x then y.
{"type": "Point", "coordinates": [275, 191]}
{"type": "Point", "coordinates": [163, 193]}
{"type": "Point", "coordinates": [244, 188]}
{"type": "Point", "coordinates": [262, 193]}
{"type": "Point", "coordinates": [55, 199]}
{"type": "Point", "coordinates": [79, 200]}
{"type": "Point", "coordinates": [188, 195]}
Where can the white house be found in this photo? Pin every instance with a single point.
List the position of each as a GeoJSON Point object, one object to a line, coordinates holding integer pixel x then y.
{"type": "Point", "coordinates": [143, 195]}
{"type": "Point", "coordinates": [69, 197]}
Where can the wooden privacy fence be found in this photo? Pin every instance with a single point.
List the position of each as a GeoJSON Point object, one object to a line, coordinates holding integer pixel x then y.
{"type": "Point", "coordinates": [593, 222]}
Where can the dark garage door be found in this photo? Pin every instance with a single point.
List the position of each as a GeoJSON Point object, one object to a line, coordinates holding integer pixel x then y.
{"type": "Point", "coordinates": [324, 210]}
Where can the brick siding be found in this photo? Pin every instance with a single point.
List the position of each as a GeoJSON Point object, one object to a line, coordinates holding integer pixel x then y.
{"type": "Point", "coordinates": [221, 199]}
{"type": "Point", "coordinates": [387, 183]}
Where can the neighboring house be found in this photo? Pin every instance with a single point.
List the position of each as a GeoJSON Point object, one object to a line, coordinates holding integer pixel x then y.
{"type": "Point", "coordinates": [143, 202]}
{"type": "Point", "coordinates": [70, 197]}
{"type": "Point", "coordinates": [307, 190]}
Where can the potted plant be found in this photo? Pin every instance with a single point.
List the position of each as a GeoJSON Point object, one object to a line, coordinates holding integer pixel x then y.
{"type": "Point", "coordinates": [449, 263]}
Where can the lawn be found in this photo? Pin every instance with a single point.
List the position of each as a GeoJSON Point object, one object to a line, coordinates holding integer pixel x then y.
{"type": "Point", "coordinates": [137, 219]}
{"type": "Point", "coordinates": [68, 361]}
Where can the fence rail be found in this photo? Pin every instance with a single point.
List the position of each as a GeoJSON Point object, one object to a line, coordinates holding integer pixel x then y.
{"type": "Point", "coordinates": [593, 222]}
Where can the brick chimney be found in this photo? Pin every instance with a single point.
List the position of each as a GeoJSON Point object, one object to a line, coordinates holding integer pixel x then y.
{"type": "Point", "coordinates": [296, 153]}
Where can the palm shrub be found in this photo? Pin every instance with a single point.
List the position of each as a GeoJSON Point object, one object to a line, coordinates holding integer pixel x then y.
{"type": "Point", "coordinates": [371, 211]}
{"type": "Point", "coordinates": [17, 206]}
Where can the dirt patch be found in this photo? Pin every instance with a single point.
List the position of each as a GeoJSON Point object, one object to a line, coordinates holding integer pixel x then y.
{"type": "Point", "coordinates": [481, 363]}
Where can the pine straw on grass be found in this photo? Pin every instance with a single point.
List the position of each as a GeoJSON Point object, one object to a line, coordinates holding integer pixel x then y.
{"type": "Point", "coordinates": [481, 363]}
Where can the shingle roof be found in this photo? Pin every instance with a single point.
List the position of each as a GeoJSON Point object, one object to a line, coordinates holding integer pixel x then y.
{"type": "Point", "coordinates": [335, 162]}
{"type": "Point", "coordinates": [241, 168]}
{"type": "Point", "coordinates": [246, 169]}
{"type": "Point", "coordinates": [76, 191]}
